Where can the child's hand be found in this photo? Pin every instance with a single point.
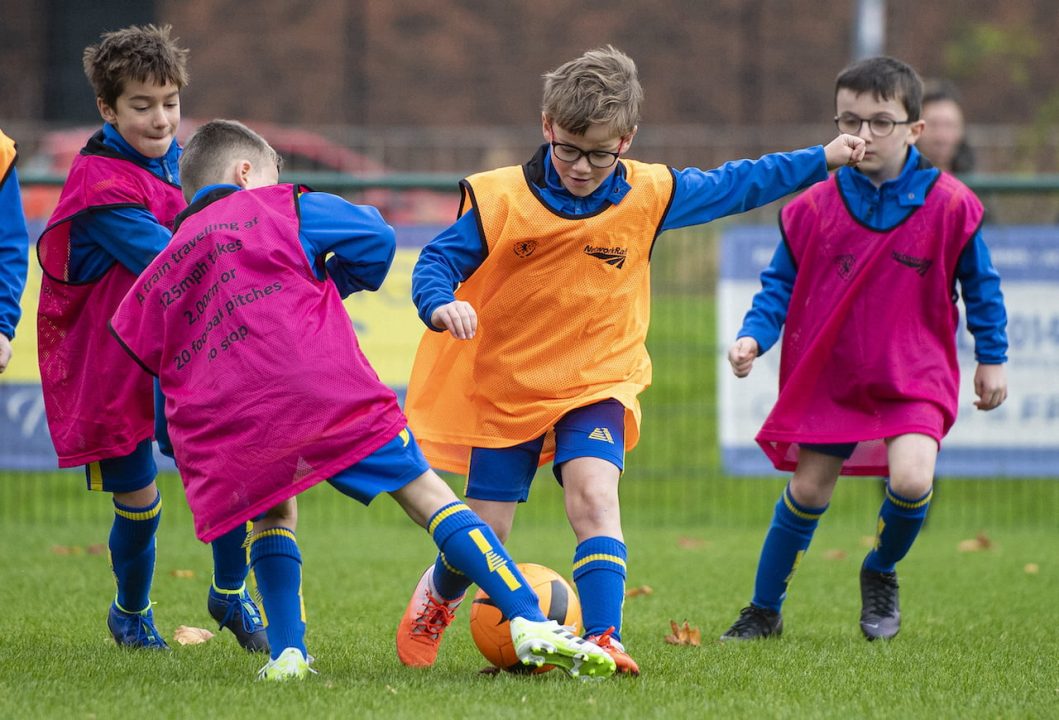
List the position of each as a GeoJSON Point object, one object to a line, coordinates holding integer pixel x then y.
{"type": "Point", "coordinates": [5, 352]}
{"type": "Point", "coordinates": [991, 386]}
{"type": "Point", "coordinates": [741, 356]}
{"type": "Point", "coordinates": [458, 317]}
{"type": "Point", "coordinates": [844, 150]}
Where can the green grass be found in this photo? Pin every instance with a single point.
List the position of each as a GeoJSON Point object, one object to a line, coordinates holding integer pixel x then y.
{"type": "Point", "coordinates": [980, 637]}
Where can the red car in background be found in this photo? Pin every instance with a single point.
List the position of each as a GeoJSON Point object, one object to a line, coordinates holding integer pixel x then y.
{"type": "Point", "coordinates": [303, 151]}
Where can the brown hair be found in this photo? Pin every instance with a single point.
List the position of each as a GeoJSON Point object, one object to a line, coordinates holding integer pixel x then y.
{"type": "Point", "coordinates": [600, 87]}
{"type": "Point", "coordinates": [135, 53]}
{"type": "Point", "coordinates": [214, 146]}
{"type": "Point", "coordinates": [886, 78]}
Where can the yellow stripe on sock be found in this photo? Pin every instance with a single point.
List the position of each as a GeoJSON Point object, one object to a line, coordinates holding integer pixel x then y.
{"type": "Point", "coordinates": [95, 476]}
{"type": "Point", "coordinates": [480, 541]}
{"type": "Point", "coordinates": [599, 556]}
{"type": "Point", "coordinates": [450, 568]}
{"type": "Point", "coordinates": [256, 594]}
{"type": "Point", "coordinates": [794, 567]}
{"type": "Point", "coordinates": [447, 512]}
{"type": "Point", "coordinates": [142, 515]}
{"type": "Point", "coordinates": [272, 532]}
{"type": "Point", "coordinates": [800, 513]}
{"type": "Point", "coordinates": [908, 505]}
{"type": "Point", "coordinates": [508, 577]}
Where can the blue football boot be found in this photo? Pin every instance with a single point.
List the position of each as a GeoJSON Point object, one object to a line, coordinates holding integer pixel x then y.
{"type": "Point", "coordinates": [238, 612]}
{"type": "Point", "coordinates": [134, 630]}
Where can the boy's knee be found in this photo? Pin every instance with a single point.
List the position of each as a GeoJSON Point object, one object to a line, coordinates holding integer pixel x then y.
{"type": "Point", "coordinates": [284, 514]}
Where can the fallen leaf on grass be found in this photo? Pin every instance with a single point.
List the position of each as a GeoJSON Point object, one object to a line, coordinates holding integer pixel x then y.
{"type": "Point", "coordinates": [976, 544]}
{"type": "Point", "coordinates": [97, 549]}
{"type": "Point", "coordinates": [684, 635]}
{"type": "Point", "coordinates": [183, 574]}
{"type": "Point", "coordinates": [867, 541]}
{"type": "Point", "coordinates": [690, 543]}
{"type": "Point", "coordinates": [67, 550]}
{"type": "Point", "coordinates": [641, 590]}
{"type": "Point", "coordinates": [191, 635]}
{"type": "Point", "coordinates": [1032, 568]}
{"type": "Point", "coordinates": [835, 554]}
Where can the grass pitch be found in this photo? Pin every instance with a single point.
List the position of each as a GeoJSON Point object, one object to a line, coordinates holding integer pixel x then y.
{"type": "Point", "coordinates": [979, 639]}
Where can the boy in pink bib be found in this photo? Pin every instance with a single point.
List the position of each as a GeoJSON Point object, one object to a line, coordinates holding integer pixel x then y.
{"type": "Point", "coordinates": [240, 319]}
{"type": "Point", "coordinates": [114, 216]}
{"type": "Point", "coordinates": [863, 282]}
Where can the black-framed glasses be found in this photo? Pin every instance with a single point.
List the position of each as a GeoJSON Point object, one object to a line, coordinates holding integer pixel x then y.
{"type": "Point", "coordinates": [879, 126]}
{"type": "Point", "coordinates": [596, 158]}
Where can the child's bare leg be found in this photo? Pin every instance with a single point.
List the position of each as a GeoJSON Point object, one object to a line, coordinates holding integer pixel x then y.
{"type": "Point", "coordinates": [814, 480]}
{"type": "Point", "coordinates": [912, 459]}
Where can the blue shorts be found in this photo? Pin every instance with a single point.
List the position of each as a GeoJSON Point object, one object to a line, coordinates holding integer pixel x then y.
{"type": "Point", "coordinates": [839, 450]}
{"type": "Point", "coordinates": [505, 474]}
{"type": "Point", "coordinates": [389, 468]}
{"type": "Point", "coordinates": [130, 473]}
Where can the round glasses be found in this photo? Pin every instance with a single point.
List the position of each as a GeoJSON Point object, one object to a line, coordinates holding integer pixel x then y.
{"type": "Point", "coordinates": [596, 158]}
{"type": "Point", "coordinates": [879, 126]}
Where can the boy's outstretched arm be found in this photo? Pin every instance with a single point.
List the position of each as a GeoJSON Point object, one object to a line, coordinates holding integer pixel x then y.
{"type": "Point", "coordinates": [844, 150]}
{"type": "Point", "coordinates": [702, 196]}
{"type": "Point", "coordinates": [990, 385]}
{"type": "Point", "coordinates": [741, 356]}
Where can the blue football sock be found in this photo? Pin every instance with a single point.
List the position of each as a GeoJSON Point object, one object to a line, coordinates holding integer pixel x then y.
{"type": "Point", "coordinates": [132, 543]}
{"type": "Point", "coordinates": [599, 573]}
{"type": "Point", "coordinates": [900, 520]}
{"type": "Point", "coordinates": [277, 566]}
{"type": "Point", "coordinates": [471, 547]}
{"type": "Point", "coordinates": [229, 559]}
{"type": "Point", "coordinates": [786, 542]}
{"type": "Point", "coordinates": [449, 582]}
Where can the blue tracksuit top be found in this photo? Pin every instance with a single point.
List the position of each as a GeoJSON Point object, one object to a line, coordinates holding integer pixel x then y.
{"type": "Point", "coordinates": [883, 208]}
{"type": "Point", "coordinates": [699, 196]}
{"type": "Point", "coordinates": [14, 253]}
{"type": "Point", "coordinates": [362, 243]}
{"type": "Point", "coordinates": [130, 236]}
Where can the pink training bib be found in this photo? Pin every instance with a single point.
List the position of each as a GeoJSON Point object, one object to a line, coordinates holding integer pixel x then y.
{"type": "Point", "coordinates": [869, 345]}
{"type": "Point", "coordinates": [267, 390]}
{"type": "Point", "coordinates": [99, 402]}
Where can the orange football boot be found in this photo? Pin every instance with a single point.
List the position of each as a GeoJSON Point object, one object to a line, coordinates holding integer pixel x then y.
{"type": "Point", "coordinates": [625, 664]}
{"type": "Point", "coordinates": [424, 621]}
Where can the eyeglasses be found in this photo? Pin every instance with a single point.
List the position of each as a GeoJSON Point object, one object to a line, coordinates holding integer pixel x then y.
{"type": "Point", "coordinates": [879, 126]}
{"type": "Point", "coordinates": [596, 158]}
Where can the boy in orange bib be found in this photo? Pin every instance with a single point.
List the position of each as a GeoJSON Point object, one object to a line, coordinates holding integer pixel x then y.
{"type": "Point", "coordinates": [552, 260]}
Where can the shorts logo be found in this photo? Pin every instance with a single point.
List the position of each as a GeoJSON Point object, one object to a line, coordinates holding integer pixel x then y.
{"type": "Point", "coordinates": [601, 434]}
{"type": "Point", "coordinates": [845, 265]}
{"type": "Point", "coordinates": [920, 265]}
{"type": "Point", "coordinates": [611, 255]}
{"type": "Point", "coordinates": [525, 248]}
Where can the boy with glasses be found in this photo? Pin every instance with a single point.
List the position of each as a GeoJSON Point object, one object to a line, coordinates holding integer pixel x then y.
{"type": "Point", "coordinates": [551, 260]}
{"type": "Point", "coordinates": [864, 281]}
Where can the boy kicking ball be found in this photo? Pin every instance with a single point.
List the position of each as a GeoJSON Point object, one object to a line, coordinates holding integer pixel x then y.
{"type": "Point", "coordinates": [268, 393]}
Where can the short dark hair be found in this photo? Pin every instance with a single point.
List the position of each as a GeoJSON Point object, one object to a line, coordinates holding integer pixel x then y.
{"type": "Point", "coordinates": [214, 145]}
{"type": "Point", "coordinates": [938, 90]}
{"type": "Point", "coordinates": [886, 78]}
{"type": "Point", "coordinates": [139, 53]}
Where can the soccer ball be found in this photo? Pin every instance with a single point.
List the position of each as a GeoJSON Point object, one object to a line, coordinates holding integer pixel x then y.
{"type": "Point", "coordinates": [492, 631]}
